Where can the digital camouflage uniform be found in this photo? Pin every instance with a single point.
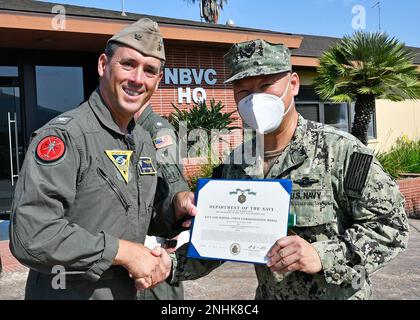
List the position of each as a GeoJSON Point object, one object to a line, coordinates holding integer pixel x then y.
{"type": "Point", "coordinates": [347, 207]}
{"type": "Point", "coordinates": [170, 180]}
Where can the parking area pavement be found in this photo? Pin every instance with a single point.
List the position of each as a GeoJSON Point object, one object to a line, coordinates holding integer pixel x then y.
{"type": "Point", "coordinates": [400, 279]}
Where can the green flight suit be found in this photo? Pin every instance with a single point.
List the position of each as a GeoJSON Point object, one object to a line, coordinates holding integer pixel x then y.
{"type": "Point", "coordinates": [354, 233]}
{"type": "Point", "coordinates": [70, 212]}
{"type": "Point", "coordinates": [170, 166]}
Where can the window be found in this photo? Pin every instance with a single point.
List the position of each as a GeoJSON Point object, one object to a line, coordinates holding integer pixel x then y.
{"type": "Point", "coordinates": [308, 110]}
{"type": "Point", "coordinates": [58, 89]}
{"type": "Point", "coordinates": [338, 115]}
{"type": "Point", "coordinates": [9, 71]}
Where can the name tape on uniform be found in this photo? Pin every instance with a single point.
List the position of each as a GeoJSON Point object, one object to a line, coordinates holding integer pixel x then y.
{"type": "Point", "coordinates": [121, 159]}
{"type": "Point", "coordinates": [146, 166]}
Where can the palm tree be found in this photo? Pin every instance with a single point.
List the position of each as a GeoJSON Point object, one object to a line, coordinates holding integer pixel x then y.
{"type": "Point", "coordinates": [210, 9]}
{"type": "Point", "coordinates": [365, 67]}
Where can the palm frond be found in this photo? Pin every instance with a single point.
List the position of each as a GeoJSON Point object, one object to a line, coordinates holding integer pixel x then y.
{"type": "Point", "coordinates": [363, 67]}
{"type": "Point", "coordinates": [210, 9]}
{"type": "Point", "coordinates": [368, 64]}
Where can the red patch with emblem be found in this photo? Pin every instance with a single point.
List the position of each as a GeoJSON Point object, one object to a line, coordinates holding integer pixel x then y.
{"type": "Point", "coordinates": [50, 148]}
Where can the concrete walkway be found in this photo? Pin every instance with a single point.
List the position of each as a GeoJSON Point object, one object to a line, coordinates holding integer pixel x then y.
{"type": "Point", "coordinates": [400, 279]}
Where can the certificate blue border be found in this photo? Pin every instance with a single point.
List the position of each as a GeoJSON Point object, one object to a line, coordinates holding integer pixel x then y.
{"type": "Point", "coordinates": [192, 251]}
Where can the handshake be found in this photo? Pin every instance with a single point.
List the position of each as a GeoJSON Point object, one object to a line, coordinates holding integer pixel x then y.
{"type": "Point", "coordinates": [151, 267]}
{"type": "Point", "coordinates": [147, 267]}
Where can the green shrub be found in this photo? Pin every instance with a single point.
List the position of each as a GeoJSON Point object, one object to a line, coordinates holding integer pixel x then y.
{"type": "Point", "coordinates": [404, 157]}
{"type": "Point", "coordinates": [206, 171]}
{"type": "Point", "coordinates": [200, 116]}
{"type": "Point", "coordinates": [208, 118]}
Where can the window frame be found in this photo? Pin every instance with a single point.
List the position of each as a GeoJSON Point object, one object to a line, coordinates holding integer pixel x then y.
{"type": "Point", "coordinates": [321, 116]}
{"type": "Point", "coordinates": [350, 112]}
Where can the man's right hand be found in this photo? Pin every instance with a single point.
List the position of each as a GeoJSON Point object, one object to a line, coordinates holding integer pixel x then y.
{"type": "Point", "coordinates": [139, 261]}
{"type": "Point", "coordinates": [160, 273]}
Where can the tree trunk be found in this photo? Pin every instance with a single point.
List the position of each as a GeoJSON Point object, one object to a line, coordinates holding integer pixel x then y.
{"type": "Point", "coordinates": [210, 10]}
{"type": "Point", "coordinates": [365, 105]}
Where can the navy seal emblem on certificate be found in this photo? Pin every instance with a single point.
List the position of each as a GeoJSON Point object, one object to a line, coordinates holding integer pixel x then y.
{"type": "Point", "coordinates": [235, 248]}
{"type": "Point", "coordinates": [239, 220]}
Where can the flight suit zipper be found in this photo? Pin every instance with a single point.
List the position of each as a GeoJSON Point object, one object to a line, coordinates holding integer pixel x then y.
{"type": "Point", "coordinates": [117, 191]}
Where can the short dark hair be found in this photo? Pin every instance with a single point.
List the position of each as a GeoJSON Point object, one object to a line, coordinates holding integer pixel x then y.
{"type": "Point", "coordinates": [113, 46]}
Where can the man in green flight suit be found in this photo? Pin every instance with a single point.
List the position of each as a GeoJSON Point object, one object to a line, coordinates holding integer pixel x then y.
{"type": "Point", "coordinates": [169, 163]}
{"type": "Point", "coordinates": [350, 213]}
{"type": "Point", "coordinates": [84, 199]}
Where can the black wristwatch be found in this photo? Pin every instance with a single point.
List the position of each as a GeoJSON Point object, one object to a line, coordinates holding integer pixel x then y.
{"type": "Point", "coordinates": [171, 243]}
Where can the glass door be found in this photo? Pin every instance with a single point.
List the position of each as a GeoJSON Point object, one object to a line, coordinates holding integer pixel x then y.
{"type": "Point", "coordinates": [11, 148]}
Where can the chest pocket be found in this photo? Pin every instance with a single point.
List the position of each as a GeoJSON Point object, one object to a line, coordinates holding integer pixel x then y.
{"type": "Point", "coordinates": [312, 199]}
{"type": "Point", "coordinates": [114, 188]}
{"type": "Point", "coordinates": [170, 172]}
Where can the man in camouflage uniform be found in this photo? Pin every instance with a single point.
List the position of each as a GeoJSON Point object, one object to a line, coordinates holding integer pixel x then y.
{"type": "Point", "coordinates": [169, 164]}
{"type": "Point", "coordinates": [84, 199]}
{"type": "Point", "coordinates": [350, 213]}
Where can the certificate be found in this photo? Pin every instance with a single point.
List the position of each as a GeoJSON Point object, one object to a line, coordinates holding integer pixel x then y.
{"type": "Point", "coordinates": [239, 220]}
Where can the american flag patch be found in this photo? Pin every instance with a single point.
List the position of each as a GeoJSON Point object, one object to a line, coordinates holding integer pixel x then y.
{"type": "Point", "coordinates": [357, 173]}
{"type": "Point", "coordinates": [163, 141]}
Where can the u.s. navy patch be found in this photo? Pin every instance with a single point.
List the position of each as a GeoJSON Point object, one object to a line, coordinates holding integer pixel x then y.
{"type": "Point", "coordinates": [121, 159]}
{"type": "Point", "coordinates": [163, 141]}
{"type": "Point", "coordinates": [146, 166]}
{"type": "Point", "coordinates": [357, 173]}
{"type": "Point", "coordinates": [51, 148]}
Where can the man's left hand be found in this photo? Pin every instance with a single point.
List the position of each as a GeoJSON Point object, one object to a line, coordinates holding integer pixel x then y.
{"type": "Point", "coordinates": [184, 207]}
{"type": "Point", "coordinates": [293, 253]}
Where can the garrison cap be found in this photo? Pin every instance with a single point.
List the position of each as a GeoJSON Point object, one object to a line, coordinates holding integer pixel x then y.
{"type": "Point", "coordinates": [255, 58]}
{"type": "Point", "coordinates": [143, 36]}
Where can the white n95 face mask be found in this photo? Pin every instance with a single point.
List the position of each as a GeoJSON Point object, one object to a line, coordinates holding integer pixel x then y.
{"type": "Point", "coordinates": [263, 112]}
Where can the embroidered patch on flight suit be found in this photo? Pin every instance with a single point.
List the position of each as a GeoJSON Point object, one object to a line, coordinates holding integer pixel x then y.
{"type": "Point", "coordinates": [357, 173]}
{"type": "Point", "coordinates": [50, 149]}
{"type": "Point", "coordinates": [146, 166]}
{"type": "Point", "coordinates": [163, 141]}
{"type": "Point", "coordinates": [121, 159]}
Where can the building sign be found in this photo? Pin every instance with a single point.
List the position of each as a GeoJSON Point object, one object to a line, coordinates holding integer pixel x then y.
{"type": "Point", "coordinates": [190, 77]}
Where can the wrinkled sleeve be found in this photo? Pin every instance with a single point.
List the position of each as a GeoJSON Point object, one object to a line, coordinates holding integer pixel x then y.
{"type": "Point", "coordinates": [184, 268]}
{"type": "Point", "coordinates": [170, 182]}
{"type": "Point", "coordinates": [379, 230]}
{"type": "Point", "coordinates": [40, 235]}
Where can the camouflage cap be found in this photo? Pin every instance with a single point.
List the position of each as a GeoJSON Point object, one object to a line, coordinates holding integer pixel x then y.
{"type": "Point", "coordinates": [143, 36]}
{"type": "Point", "coordinates": [257, 57]}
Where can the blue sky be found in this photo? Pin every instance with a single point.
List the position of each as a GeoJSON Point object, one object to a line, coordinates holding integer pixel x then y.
{"type": "Point", "coordinates": [316, 17]}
